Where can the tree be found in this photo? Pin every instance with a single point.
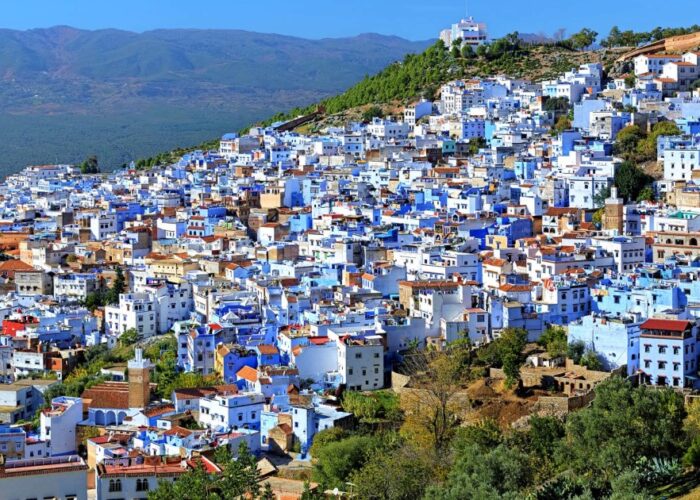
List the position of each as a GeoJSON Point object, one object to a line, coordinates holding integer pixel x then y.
{"type": "Point", "coordinates": [597, 218]}
{"type": "Point", "coordinates": [622, 425]}
{"type": "Point", "coordinates": [599, 200]}
{"type": "Point", "coordinates": [627, 140]}
{"type": "Point", "coordinates": [335, 461]}
{"type": "Point", "coordinates": [554, 339]}
{"type": "Point", "coordinates": [432, 407]}
{"type": "Point", "coordinates": [372, 112]}
{"type": "Point", "coordinates": [468, 52]}
{"type": "Point", "coordinates": [591, 361]}
{"type": "Point", "coordinates": [267, 493]}
{"type": "Point", "coordinates": [325, 437]}
{"type": "Point", "coordinates": [507, 352]}
{"type": "Point", "coordinates": [646, 194]}
{"type": "Point", "coordinates": [583, 39]}
{"type": "Point", "coordinates": [502, 472]}
{"type": "Point", "coordinates": [90, 165]}
{"type": "Point", "coordinates": [613, 38]}
{"type": "Point", "coordinates": [631, 180]}
{"type": "Point", "coordinates": [239, 478]}
{"type": "Point", "coordinates": [378, 406]}
{"type": "Point", "coordinates": [511, 344]}
{"type": "Point", "coordinates": [397, 475]}
{"type": "Point", "coordinates": [475, 144]}
{"type": "Point", "coordinates": [646, 150]}
{"type": "Point", "coordinates": [118, 287]}
{"type": "Point", "coordinates": [563, 124]}
{"type": "Point", "coordinates": [575, 351]}
{"type": "Point", "coordinates": [129, 337]}
{"type": "Point", "coordinates": [557, 104]}
{"type": "Point", "coordinates": [196, 483]}
{"type": "Point", "coordinates": [309, 494]}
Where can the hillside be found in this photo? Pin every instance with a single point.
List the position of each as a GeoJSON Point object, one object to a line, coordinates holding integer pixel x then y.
{"type": "Point", "coordinates": [66, 93]}
{"type": "Point", "coordinates": [420, 75]}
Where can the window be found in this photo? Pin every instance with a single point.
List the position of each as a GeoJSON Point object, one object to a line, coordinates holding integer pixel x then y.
{"type": "Point", "coordinates": [662, 349]}
{"type": "Point", "coordinates": [142, 485]}
{"type": "Point", "coordinates": [115, 485]}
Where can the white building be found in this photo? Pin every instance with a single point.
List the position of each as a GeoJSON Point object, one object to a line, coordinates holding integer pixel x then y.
{"type": "Point", "coordinates": [152, 309]}
{"type": "Point", "coordinates": [417, 111]}
{"type": "Point", "coordinates": [680, 163]}
{"type": "Point", "coordinates": [74, 286]}
{"type": "Point", "coordinates": [103, 225]}
{"type": "Point", "coordinates": [360, 361]}
{"type": "Point", "coordinates": [231, 411]}
{"type": "Point", "coordinates": [387, 129]}
{"type": "Point", "coordinates": [457, 97]}
{"type": "Point", "coordinates": [62, 478]}
{"type": "Point", "coordinates": [628, 251]}
{"type": "Point", "coordinates": [653, 63]}
{"type": "Point", "coordinates": [469, 31]}
{"type": "Point", "coordinates": [58, 424]}
{"type": "Point", "coordinates": [584, 190]}
{"type": "Point", "coordinates": [135, 310]}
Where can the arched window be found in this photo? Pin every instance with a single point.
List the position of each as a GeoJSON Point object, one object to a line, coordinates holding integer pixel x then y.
{"type": "Point", "coordinates": [142, 485]}
{"type": "Point", "coordinates": [115, 485]}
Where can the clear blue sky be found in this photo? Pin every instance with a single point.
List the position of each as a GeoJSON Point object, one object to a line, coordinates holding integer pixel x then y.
{"type": "Point", "coordinates": [413, 19]}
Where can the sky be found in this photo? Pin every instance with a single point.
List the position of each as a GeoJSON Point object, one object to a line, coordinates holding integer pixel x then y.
{"type": "Point", "coordinates": [411, 19]}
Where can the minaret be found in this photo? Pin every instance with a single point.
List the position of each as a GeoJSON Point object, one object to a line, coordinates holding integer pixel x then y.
{"type": "Point", "coordinates": [139, 380]}
{"type": "Point", "coordinates": [614, 212]}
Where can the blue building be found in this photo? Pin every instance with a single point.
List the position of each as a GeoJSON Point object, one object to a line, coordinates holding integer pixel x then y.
{"type": "Point", "coordinates": [615, 339]}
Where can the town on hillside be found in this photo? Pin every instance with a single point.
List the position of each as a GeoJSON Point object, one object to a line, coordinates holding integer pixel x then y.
{"type": "Point", "coordinates": [504, 257]}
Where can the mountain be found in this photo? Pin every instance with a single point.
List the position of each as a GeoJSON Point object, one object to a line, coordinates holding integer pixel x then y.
{"type": "Point", "coordinates": [66, 93]}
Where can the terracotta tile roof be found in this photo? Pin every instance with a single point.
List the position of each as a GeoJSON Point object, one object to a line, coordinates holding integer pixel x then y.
{"type": "Point", "coordinates": [509, 287]}
{"type": "Point", "coordinates": [248, 373]}
{"type": "Point", "coordinates": [267, 349]}
{"type": "Point", "coordinates": [15, 265]}
{"type": "Point", "coordinates": [671, 325]}
{"type": "Point", "coordinates": [493, 261]}
{"type": "Point", "coordinates": [178, 431]}
{"type": "Point", "coordinates": [108, 395]}
{"type": "Point", "coordinates": [429, 284]}
{"type": "Point", "coordinates": [557, 211]}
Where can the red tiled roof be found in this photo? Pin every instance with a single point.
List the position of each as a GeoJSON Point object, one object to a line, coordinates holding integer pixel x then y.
{"type": "Point", "coordinates": [671, 325]}
{"type": "Point", "coordinates": [248, 373]}
{"type": "Point", "coordinates": [178, 431]}
{"type": "Point", "coordinates": [267, 349]}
